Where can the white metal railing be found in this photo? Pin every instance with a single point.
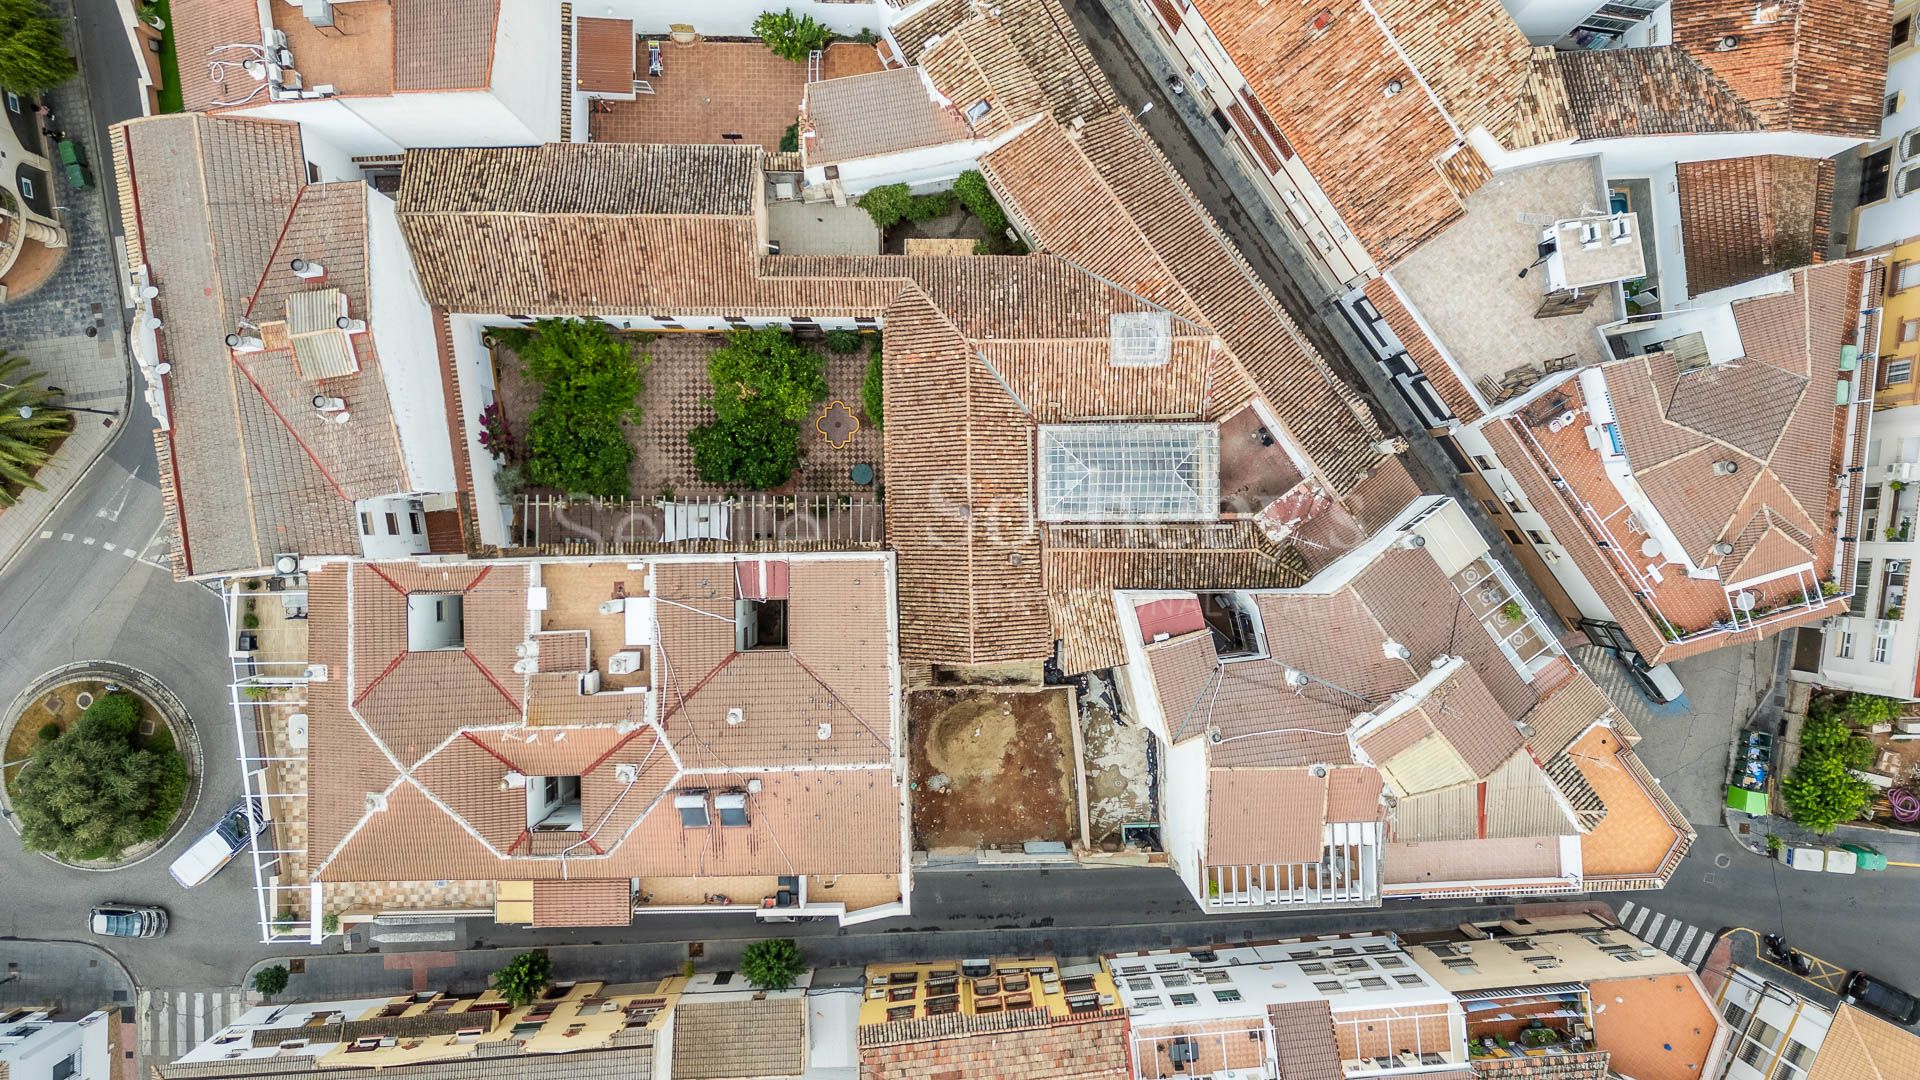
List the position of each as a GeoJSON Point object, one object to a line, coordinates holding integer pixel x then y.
{"type": "Point", "coordinates": [247, 674]}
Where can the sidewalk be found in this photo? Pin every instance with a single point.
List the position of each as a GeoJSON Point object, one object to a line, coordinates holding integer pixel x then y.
{"type": "Point", "coordinates": [72, 328]}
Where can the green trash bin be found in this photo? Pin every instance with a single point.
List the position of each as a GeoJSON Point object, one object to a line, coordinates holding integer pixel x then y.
{"type": "Point", "coordinates": [78, 177]}
{"type": "Point", "coordinates": [1746, 800]}
{"type": "Point", "coordinates": [1869, 857]}
{"type": "Point", "coordinates": [71, 153]}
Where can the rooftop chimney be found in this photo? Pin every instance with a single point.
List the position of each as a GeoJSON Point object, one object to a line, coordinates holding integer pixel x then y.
{"type": "Point", "coordinates": [325, 404]}
{"type": "Point", "coordinates": [310, 271]}
{"type": "Point", "coordinates": [245, 343]}
{"type": "Point", "coordinates": [351, 326]}
{"type": "Point", "coordinates": [1726, 468]}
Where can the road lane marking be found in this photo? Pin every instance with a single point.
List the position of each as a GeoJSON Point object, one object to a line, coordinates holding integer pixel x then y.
{"type": "Point", "coordinates": [47, 535]}
{"type": "Point", "coordinates": [1652, 927]}
{"type": "Point", "coordinates": [106, 547]}
{"type": "Point", "coordinates": [1673, 930]}
{"type": "Point", "coordinates": [1639, 921]}
{"type": "Point", "coordinates": [128, 552]}
{"type": "Point", "coordinates": [1626, 910]}
{"type": "Point", "coordinates": [88, 541]}
{"type": "Point", "coordinates": [1686, 942]}
{"type": "Point", "coordinates": [66, 537]}
{"type": "Point", "coordinates": [1700, 950]}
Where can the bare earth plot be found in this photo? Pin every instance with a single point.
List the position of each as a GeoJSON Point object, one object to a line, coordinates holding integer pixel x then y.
{"type": "Point", "coordinates": [991, 768]}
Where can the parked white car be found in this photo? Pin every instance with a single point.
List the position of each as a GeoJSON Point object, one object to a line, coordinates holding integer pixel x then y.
{"type": "Point", "coordinates": [218, 845]}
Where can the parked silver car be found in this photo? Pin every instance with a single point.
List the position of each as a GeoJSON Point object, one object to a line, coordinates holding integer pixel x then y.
{"type": "Point", "coordinates": [113, 919]}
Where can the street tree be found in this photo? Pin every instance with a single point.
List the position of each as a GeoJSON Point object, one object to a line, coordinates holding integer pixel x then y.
{"type": "Point", "coordinates": [525, 977]}
{"type": "Point", "coordinates": [772, 964]}
{"type": "Point", "coordinates": [100, 786]}
{"type": "Point", "coordinates": [1822, 794]}
{"type": "Point", "coordinates": [33, 55]}
{"type": "Point", "coordinates": [269, 981]}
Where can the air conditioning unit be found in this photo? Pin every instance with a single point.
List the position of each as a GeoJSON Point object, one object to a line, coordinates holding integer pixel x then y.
{"type": "Point", "coordinates": [315, 673]}
{"type": "Point", "coordinates": [1901, 470]}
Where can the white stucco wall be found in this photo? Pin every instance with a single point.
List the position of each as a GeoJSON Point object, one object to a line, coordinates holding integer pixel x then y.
{"type": "Point", "coordinates": [1894, 441]}
{"type": "Point", "coordinates": [1898, 218]}
{"type": "Point", "coordinates": [85, 1040]}
{"type": "Point", "coordinates": [1183, 811]}
{"type": "Point", "coordinates": [928, 168]}
{"type": "Point", "coordinates": [401, 322]}
{"type": "Point", "coordinates": [345, 133]}
{"type": "Point", "coordinates": [475, 372]}
{"type": "Point", "coordinates": [1547, 21]}
{"type": "Point", "coordinates": [526, 66]}
{"type": "Point", "coordinates": [452, 118]}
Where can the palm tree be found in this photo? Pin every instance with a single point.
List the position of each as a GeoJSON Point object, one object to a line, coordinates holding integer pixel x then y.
{"type": "Point", "coordinates": [28, 426]}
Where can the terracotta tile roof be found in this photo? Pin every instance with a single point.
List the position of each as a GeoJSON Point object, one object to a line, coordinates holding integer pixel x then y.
{"type": "Point", "coordinates": [1353, 794]}
{"type": "Point", "coordinates": [443, 44]}
{"type": "Point", "coordinates": [1086, 563]}
{"type": "Point", "coordinates": [1742, 218]}
{"type": "Point", "coordinates": [251, 467]}
{"type": "Point", "coordinates": [870, 115]}
{"type": "Point", "coordinates": [1320, 73]}
{"type": "Point", "coordinates": [1025, 45]}
{"type": "Point", "coordinates": [582, 902]}
{"type": "Point", "coordinates": [1565, 714]}
{"type": "Point", "coordinates": [601, 179]}
{"type": "Point", "coordinates": [1515, 800]}
{"type": "Point", "coordinates": [1419, 608]}
{"type": "Point", "coordinates": [604, 56]}
{"type": "Point", "coordinates": [1617, 93]}
{"type": "Point", "coordinates": [1259, 816]}
{"type": "Point", "coordinates": [1867, 1047]}
{"type": "Point", "coordinates": [1804, 70]}
{"type": "Point", "coordinates": [451, 719]}
{"type": "Point", "coordinates": [1183, 671]}
{"type": "Point", "coordinates": [1303, 1036]}
{"type": "Point", "coordinates": [1589, 1065]}
{"type": "Point", "coordinates": [978, 62]}
{"type": "Point", "coordinates": [1065, 1048]}
{"type": "Point", "coordinates": [728, 1040]}
{"type": "Point", "coordinates": [1360, 1033]}
{"type": "Point", "coordinates": [1655, 1027]}
{"type": "Point", "coordinates": [199, 29]}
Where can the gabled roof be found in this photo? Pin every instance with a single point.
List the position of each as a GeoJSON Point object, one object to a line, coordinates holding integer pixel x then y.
{"type": "Point", "coordinates": [1813, 65]}
{"type": "Point", "coordinates": [1320, 72]}
{"type": "Point", "coordinates": [729, 1040]}
{"type": "Point", "coordinates": [1660, 90]}
{"type": "Point", "coordinates": [873, 114]}
{"type": "Point", "coordinates": [249, 467]}
{"type": "Point", "coordinates": [1743, 218]}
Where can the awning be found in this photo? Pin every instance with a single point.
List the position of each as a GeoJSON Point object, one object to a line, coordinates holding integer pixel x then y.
{"type": "Point", "coordinates": [694, 521]}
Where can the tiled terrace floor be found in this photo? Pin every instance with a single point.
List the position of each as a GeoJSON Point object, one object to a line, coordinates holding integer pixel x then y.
{"type": "Point", "coordinates": [715, 89]}
{"type": "Point", "coordinates": [1634, 838]}
{"type": "Point", "coordinates": [574, 594]}
{"type": "Point", "coordinates": [374, 897]}
{"type": "Point", "coordinates": [1465, 283]}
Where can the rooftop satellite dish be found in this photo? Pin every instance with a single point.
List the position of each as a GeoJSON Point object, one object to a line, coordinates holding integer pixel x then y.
{"type": "Point", "coordinates": [1745, 601]}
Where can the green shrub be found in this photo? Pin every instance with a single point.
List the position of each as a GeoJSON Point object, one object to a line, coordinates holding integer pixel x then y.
{"type": "Point", "coordinates": [33, 54]}
{"type": "Point", "coordinates": [790, 36]}
{"type": "Point", "coordinates": [888, 204]}
{"type": "Point", "coordinates": [844, 342]}
{"type": "Point", "coordinates": [1821, 794]}
{"type": "Point", "coordinates": [250, 621]}
{"type": "Point", "coordinates": [590, 383]}
{"type": "Point", "coordinates": [1858, 753]}
{"type": "Point", "coordinates": [756, 451]}
{"type": "Point", "coordinates": [764, 384]}
{"type": "Point", "coordinates": [930, 206]}
{"type": "Point", "coordinates": [772, 964]}
{"type": "Point", "coordinates": [525, 977]}
{"type": "Point", "coordinates": [873, 399]}
{"type": "Point", "coordinates": [790, 138]}
{"type": "Point", "coordinates": [269, 981]}
{"type": "Point", "coordinates": [1823, 735]}
{"type": "Point", "coordinates": [972, 190]}
{"type": "Point", "coordinates": [1868, 709]}
{"type": "Point", "coordinates": [330, 923]}
{"type": "Point", "coordinates": [49, 730]}
{"type": "Point", "coordinates": [96, 788]}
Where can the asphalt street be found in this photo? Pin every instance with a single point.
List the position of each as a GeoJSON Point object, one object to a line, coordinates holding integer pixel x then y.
{"type": "Point", "coordinates": [91, 587]}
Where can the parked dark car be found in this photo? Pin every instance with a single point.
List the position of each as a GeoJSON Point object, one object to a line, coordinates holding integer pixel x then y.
{"type": "Point", "coordinates": [1882, 998]}
{"type": "Point", "coordinates": [114, 919]}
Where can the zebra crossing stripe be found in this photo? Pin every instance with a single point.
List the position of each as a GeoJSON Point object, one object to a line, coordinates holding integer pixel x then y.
{"type": "Point", "coordinates": [1680, 950]}
{"type": "Point", "coordinates": [1626, 910]}
{"type": "Point", "coordinates": [1653, 927]}
{"type": "Point", "coordinates": [1639, 921]}
{"type": "Point", "coordinates": [1700, 950]}
{"type": "Point", "coordinates": [1673, 931]}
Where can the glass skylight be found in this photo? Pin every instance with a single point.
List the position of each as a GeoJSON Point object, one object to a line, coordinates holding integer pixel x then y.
{"type": "Point", "coordinates": [1129, 472]}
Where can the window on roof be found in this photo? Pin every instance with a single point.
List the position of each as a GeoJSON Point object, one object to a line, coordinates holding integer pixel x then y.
{"type": "Point", "coordinates": [1129, 472]}
{"type": "Point", "coordinates": [732, 808]}
{"type": "Point", "coordinates": [553, 803]}
{"type": "Point", "coordinates": [759, 624]}
{"type": "Point", "coordinates": [64, 1067]}
{"type": "Point", "coordinates": [1876, 175]}
{"type": "Point", "coordinates": [693, 809]}
{"type": "Point", "coordinates": [435, 621]}
{"type": "Point", "coordinates": [1140, 338]}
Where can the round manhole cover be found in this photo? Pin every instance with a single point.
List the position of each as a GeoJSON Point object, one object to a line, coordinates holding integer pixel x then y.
{"type": "Point", "coordinates": [83, 701]}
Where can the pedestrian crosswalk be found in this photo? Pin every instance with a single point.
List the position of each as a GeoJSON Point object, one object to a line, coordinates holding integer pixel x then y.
{"type": "Point", "coordinates": [173, 1022]}
{"type": "Point", "coordinates": [1683, 941]}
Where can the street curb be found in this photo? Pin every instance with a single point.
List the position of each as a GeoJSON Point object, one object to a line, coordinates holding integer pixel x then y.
{"type": "Point", "coordinates": [125, 972]}
{"type": "Point", "coordinates": [159, 694]}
